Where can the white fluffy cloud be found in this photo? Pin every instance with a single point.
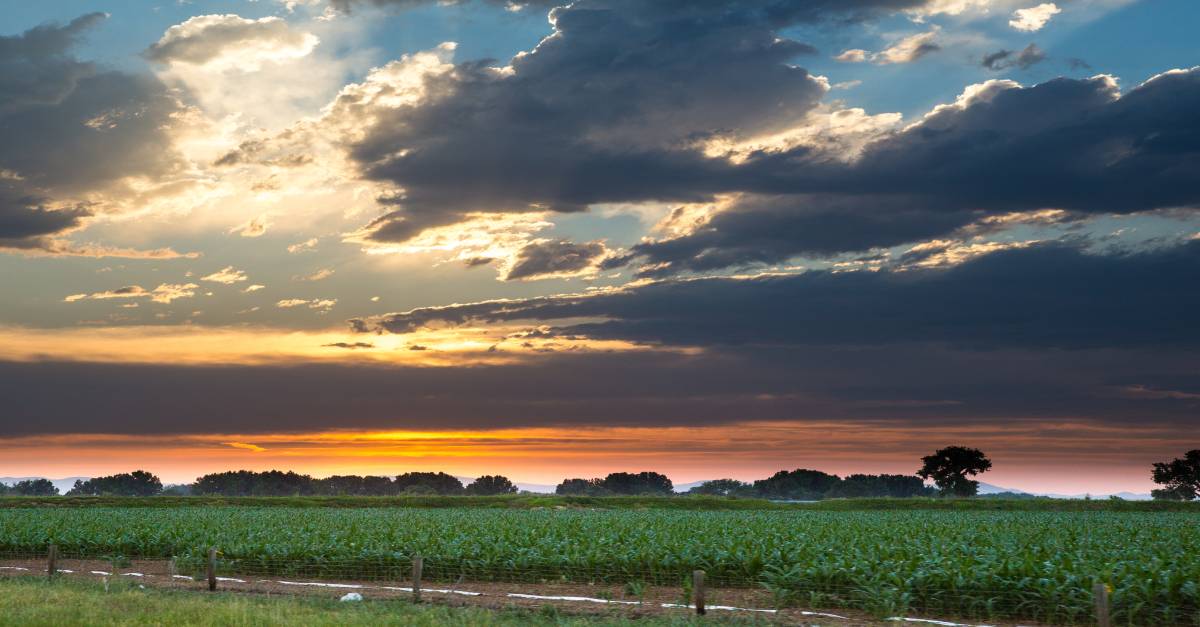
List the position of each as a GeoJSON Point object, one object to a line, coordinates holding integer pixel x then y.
{"type": "Point", "coordinates": [1034, 18]}
{"type": "Point", "coordinates": [232, 42]}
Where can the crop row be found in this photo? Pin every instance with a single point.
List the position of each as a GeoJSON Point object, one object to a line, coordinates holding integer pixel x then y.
{"type": "Point", "coordinates": [1035, 565]}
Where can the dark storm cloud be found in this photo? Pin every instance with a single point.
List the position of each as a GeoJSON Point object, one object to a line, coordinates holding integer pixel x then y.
{"type": "Point", "coordinates": [1024, 59]}
{"type": "Point", "coordinates": [33, 68]}
{"type": "Point", "coordinates": [610, 108]}
{"type": "Point", "coordinates": [617, 104]}
{"type": "Point", "coordinates": [780, 12]}
{"type": "Point", "coordinates": [23, 221]}
{"type": "Point", "coordinates": [70, 128]}
{"type": "Point", "coordinates": [908, 385]}
{"type": "Point", "coordinates": [1068, 144]}
{"type": "Point", "coordinates": [1046, 297]}
{"type": "Point", "coordinates": [552, 257]}
{"type": "Point", "coordinates": [771, 229]}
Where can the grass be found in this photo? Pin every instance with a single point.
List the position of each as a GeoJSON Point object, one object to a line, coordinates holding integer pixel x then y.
{"type": "Point", "coordinates": [526, 501]}
{"type": "Point", "coordinates": [29, 601]}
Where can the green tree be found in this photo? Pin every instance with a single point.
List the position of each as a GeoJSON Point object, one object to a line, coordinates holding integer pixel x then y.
{"type": "Point", "coordinates": [356, 485]}
{"type": "Point", "coordinates": [428, 483]}
{"type": "Point", "coordinates": [894, 486]}
{"type": "Point", "coordinates": [34, 487]}
{"type": "Point", "coordinates": [136, 483]}
{"type": "Point", "coordinates": [488, 485]}
{"type": "Point", "coordinates": [800, 485]}
{"type": "Point", "coordinates": [638, 483]}
{"type": "Point", "coordinates": [581, 487]}
{"type": "Point", "coordinates": [723, 487]}
{"type": "Point", "coordinates": [250, 483]}
{"type": "Point", "coordinates": [949, 468]}
{"type": "Point", "coordinates": [1181, 478]}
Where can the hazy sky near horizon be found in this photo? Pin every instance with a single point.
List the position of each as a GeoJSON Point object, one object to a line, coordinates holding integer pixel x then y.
{"type": "Point", "coordinates": [710, 239]}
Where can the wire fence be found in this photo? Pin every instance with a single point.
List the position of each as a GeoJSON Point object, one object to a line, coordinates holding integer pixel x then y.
{"type": "Point", "coordinates": [630, 585]}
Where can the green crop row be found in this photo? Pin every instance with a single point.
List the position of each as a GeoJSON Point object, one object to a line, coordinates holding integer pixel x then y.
{"type": "Point", "coordinates": [1032, 565]}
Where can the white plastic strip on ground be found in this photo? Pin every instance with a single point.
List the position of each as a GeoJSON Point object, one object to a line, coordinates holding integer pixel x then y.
{"type": "Point", "coordinates": [132, 575]}
{"type": "Point", "coordinates": [930, 621]}
{"type": "Point", "coordinates": [12, 568]}
{"type": "Point", "coordinates": [231, 579]}
{"type": "Point", "coordinates": [721, 607]}
{"type": "Point", "coordinates": [320, 585]}
{"type": "Point", "coordinates": [100, 572]}
{"type": "Point", "coordinates": [518, 595]}
{"type": "Point", "coordinates": [434, 590]}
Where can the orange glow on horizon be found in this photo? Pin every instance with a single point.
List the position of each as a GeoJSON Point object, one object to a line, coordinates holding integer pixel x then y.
{"type": "Point", "coordinates": [1064, 457]}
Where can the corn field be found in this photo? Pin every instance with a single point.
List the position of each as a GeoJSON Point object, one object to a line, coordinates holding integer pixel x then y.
{"type": "Point", "coordinates": [1031, 565]}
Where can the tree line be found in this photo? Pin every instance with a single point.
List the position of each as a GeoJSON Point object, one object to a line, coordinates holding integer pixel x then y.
{"type": "Point", "coordinates": [800, 484]}
{"type": "Point", "coordinates": [948, 468]}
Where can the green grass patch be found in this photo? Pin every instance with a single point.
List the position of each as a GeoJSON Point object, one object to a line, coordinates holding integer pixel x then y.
{"type": "Point", "coordinates": [29, 601]}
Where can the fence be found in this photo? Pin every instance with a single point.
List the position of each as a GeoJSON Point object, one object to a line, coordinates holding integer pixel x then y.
{"type": "Point", "coordinates": [659, 588]}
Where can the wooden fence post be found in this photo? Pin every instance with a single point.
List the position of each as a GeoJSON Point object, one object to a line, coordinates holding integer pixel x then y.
{"type": "Point", "coordinates": [698, 591]}
{"type": "Point", "coordinates": [418, 566]}
{"type": "Point", "coordinates": [212, 569]}
{"type": "Point", "coordinates": [1100, 596]}
{"type": "Point", "coordinates": [52, 561]}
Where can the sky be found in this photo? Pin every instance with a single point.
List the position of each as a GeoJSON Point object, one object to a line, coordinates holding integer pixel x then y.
{"type": "Point", "coordinates": [712, 239]}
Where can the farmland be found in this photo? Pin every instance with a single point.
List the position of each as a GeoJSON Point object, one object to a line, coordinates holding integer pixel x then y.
{"type": "Point", "coordinates": [1037, 565]}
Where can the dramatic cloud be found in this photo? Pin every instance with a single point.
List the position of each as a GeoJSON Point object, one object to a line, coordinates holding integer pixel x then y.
{"type": "Point", "coordinates": [614, 106]}
{"type": "Point", "coordinates": [23, 224]}
{"type": "Point", "coordinates": [231, 41]}
{"type": "Point", "coordinates": [1012, 298]}
{"type": "Point", "coordinates": [1077, 145]}
{"type": "Point", "coordinates": [1034, 18]}
{"type": "Point", "coordinates": [1024, 59]}
{"type": "Point", "coordinates": [908, 387]}
{"type": "Point", "coordinates": [781, 11]}
{"type": "Point", "coordinates": [75, 136]}
{"type": "Point", "coordinates": [581, 120]}
{"type": "Point", "coordinates": [543, 259]}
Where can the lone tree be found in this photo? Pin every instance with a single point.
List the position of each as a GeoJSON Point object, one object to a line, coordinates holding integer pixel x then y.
{"type": "Point", "coordinates": [488, 485]}
{"type": "Point", "coordinates": [950, 466]}
{"type": "Point", "coordinates": [1181, 478]}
